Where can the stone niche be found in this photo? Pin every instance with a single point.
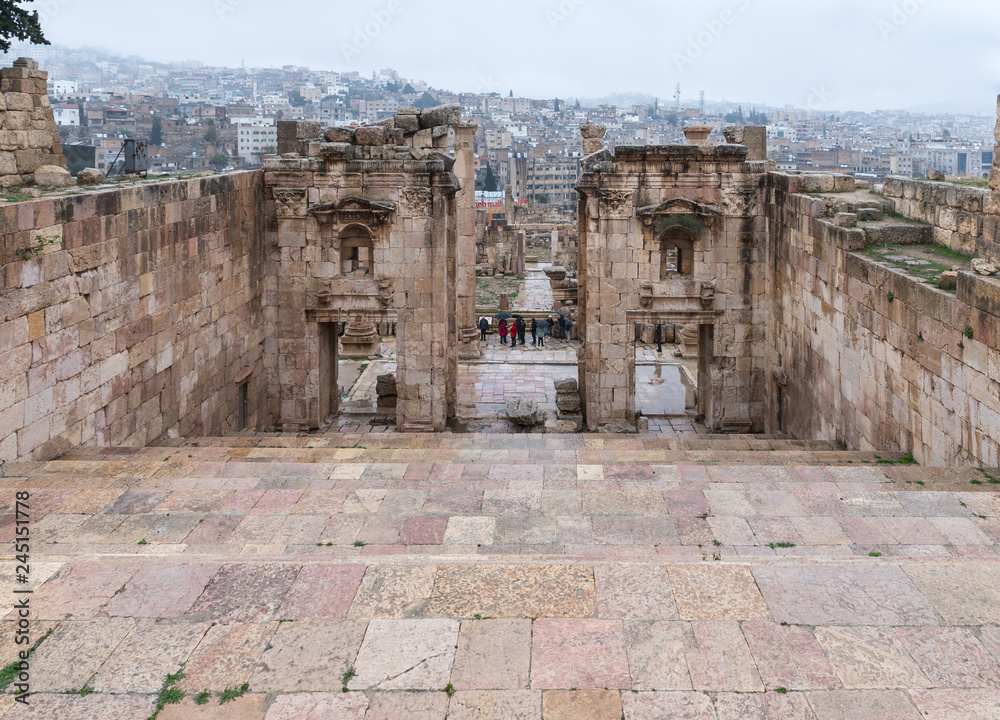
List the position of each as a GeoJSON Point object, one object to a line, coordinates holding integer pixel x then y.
{"type": "Point", "coordinates": [366, 230]}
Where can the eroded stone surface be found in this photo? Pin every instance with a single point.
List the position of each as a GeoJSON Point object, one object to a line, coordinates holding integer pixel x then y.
{"type": "Point", "coordinates": [587, 654]}
{"type": "Point", "coordinates": [513, 591]}
{"type": "Point", "coordinates": [716, 592]}
{"type": "Point", "coordinates": [307, 657]}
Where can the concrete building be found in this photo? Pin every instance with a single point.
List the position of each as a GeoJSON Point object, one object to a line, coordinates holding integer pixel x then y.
{"type": "Point", "coordinates": [255, 137]}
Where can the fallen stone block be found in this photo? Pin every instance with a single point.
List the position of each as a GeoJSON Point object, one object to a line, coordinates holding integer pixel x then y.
{"type": "Point", "coordinates": [522, 412]}
{"type": "Point", "coordinates": [89, 176]}
{"type": "Point", "coordinates": [53, 176]}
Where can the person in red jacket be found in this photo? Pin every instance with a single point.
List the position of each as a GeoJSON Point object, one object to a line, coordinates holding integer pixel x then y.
{"type": "Point", "coordinates": [502, 329]}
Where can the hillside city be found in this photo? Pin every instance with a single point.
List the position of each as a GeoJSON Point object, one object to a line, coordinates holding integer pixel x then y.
{"type": "Point", "coordinates": [213, 118]}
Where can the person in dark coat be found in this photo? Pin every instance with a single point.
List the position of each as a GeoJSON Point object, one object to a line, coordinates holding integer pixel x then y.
{"type": "Point", "coordinates": [484, 325]}
{"type": "Point", "coordinates": [543, 326]}
{"type": "Point", "coordinates": [521, 328]}
{"type": "Point", "coordinates": [534, 331]}
{"type": "Point", "coordinates": [658, 338]}
{"type": "Point", "coordinates": [567, 326]}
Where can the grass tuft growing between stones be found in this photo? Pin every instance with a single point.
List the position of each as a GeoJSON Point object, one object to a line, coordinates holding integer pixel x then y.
{"type": "Point", "coordinates": [169, 694]}
{"type": "Point", "coordinates": [346, 678]}
{"type": "Point", "coordinates": [230, 694]}
{"type": "Point", "coordinates": [12, 670]}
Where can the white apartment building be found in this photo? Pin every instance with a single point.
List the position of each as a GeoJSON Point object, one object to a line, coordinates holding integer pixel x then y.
{"type": "Point", "coordinates": [66, 115]}
{"type": "Point", "coordinates": [256, 136]}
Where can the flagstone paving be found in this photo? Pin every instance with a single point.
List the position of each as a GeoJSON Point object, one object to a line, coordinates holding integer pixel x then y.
{"type": "Point", "coordinates": [374, 575]}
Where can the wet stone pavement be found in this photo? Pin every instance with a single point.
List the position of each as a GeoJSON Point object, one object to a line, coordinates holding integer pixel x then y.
{"type": "Point", "coordinates": [370, 576]}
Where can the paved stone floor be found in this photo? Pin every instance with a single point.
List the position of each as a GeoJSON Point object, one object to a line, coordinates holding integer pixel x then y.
{"type": "Point", "coordinates": [499, 577]}
{"type": "Point", "coordinates": [525, 371]}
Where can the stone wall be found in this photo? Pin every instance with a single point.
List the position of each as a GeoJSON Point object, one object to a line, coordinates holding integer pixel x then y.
{"type": "Point", "coordinates": [869, 357]}
{"type": "Point", "coordinates": [955, 212]}
{"type": "Point", "coordinates": [29, 137]}
{"type": "Point", "coordinates": [130, 314]}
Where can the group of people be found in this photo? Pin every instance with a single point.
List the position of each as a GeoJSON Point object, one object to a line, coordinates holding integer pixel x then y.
{"type": "Point", "coordinates": [516, 329]}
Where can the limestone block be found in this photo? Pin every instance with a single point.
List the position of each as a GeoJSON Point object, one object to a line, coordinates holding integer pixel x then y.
{"type": "Point", "coordinates": [407, 123]}
{"type": "Point", "coordinates": [522, 412]}
{"type": "Point", "coordinates": [370, 135]}
{"type": "Point", "coordinates": [53, 176]}
{"type": "Point", "coordinates": [19, 101]}
{"type": "Point", "coordinates": [424, 139]}
{"type": "Point", "coordinates": [441, 115]}
{"type": "Point", "coordinates": [935, 175]}
{"type": "Point", "coordinates": [848, 220]}
{"type": "Point", "coordinates": [29, 160]}
{"type": "Point", "coordinates": [339, 135]}
{"type": "Point", "coordinates": [90, 176]}
{"type": "Point", "coordinates": [8, 163]}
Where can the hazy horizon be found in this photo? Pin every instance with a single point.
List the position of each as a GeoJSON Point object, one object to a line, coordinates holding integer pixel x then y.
{"type": "Point", "coordinates": [859, 56]}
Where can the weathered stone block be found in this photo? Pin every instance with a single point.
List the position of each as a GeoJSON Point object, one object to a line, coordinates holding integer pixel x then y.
{"type": "Point", "coordinates": [407, 123]}
{"type": "Point", "coordinates": [90, 176]}
{"type": "Point", "coordinates": [339, 135]}
{"type": "Point", "coordinates": [53, 176]}
{"type": "Point", "coordinates": [370, 135]}
{"type": "Point", "coordinates": [522, 412]}
{"type": "Point", "coordinates": [19, 101]}
{"type": "Point", "coordinates": [441, 115]}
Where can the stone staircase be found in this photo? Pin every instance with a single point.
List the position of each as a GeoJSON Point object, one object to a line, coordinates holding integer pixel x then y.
{"type": "Point", "coordinates": [519, 576]}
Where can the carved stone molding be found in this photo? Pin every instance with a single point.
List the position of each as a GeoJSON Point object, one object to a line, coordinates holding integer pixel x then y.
{"type": "Point", "coordinates": [354, 210]}
{"type": "Point", "coordinates": [415, 202]}
{"type": "Point", "coordinates": [616, 203]}
{"type": "Point", "coordinates": [739, 202]}
{"type": "Point", "coordinates": [289, 202]}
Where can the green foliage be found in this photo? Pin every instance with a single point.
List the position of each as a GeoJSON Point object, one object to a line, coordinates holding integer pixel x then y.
{"type": "Point", "coordinates": [202, 698]}
{"type": "Point", "coordinates": [359, 543]}
{"type": "Point", "coordinates": [230, 694]}
{"type": "Point", "coordinates": [408, 89]}
{"type": "Point", "coordinates": [672, 119]}
{"type": "Point", "coordinates": [211, 135]}
{"type": "Point", "coordinates": [34, 250]}
{"type": "Point", "coordinates": [346, 678]}
{"type": "Point", "coordinates": [18, 23]}
{"type": "Point", "coordinates": [542, 199]}
{"type": "Point", "coordinates": [781, 690]}
{"type": "Point", "coordinates": [875, 553]}
{"type": "Point", "coordinates": [156, 134]}
{"type": "Point", "coordinates": [82, 692]}
{"type": "Point", "coordinates": [11, 671]}
{"type": "Point", "coordinates": [426, 101]}
{"type": "Point", "coordinates": [220, 160]}
{"type": "Point", "coordinates": [450, 689]}
{"type": "Point", "coordinates": [968, 331]}
{"type": "Point", "coordinates": [890, 296]}
{"type": "Point", "coordinates": [169, 694]}
{"type": "Point", "coordinates": [992, 480]}
{"type": "Point", "coordinates": [781, 545]}
{"type": "Point", "coordinates": [490, 180]}
{"type": "Point", "coordinates": [296, 99]}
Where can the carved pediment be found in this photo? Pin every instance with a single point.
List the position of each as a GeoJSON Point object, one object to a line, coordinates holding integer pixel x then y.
{"type": "Point", "coordinates": [677, 206]}
{"type": "Point", "coordinates": [354, 210]}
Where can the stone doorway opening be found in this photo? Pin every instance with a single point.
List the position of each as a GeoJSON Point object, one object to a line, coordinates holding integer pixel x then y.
{"type": "Point", "coordinates": [665, 376]}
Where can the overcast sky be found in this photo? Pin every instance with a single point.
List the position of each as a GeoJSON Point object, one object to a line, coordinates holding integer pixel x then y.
{"type": "Point", "coordinates": [822, 54]}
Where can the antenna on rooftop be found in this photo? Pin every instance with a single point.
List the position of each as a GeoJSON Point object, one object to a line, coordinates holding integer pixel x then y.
{"type": "Point", "coordinates": [677, 98]}
{"type": "Point", "coordinates": [701, 102]}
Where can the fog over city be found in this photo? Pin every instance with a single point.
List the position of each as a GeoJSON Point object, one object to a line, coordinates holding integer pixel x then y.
{"type": "Point", "coordinates": [848, 54]}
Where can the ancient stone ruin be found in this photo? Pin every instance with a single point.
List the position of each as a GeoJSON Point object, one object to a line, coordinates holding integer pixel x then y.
{"type": "Point", "coordinates": [220, 304]}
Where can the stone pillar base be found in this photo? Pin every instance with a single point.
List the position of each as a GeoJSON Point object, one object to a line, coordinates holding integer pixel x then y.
{"type": "Point", "coordinates": [360, 340]}
{"type": "Point", "coordinates": [687, 339]}
{"type": "Point", "coordinates": [469, 344]}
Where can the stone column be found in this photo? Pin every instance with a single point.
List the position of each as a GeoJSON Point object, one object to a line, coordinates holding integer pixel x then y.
{"type": "Point", "coordinates": [593, 138]}
{"type": "Point", "coordinates": [519, 263]}
{"type": "Point", "coordinates": [465, 254]}
{"type": "Point", "coordinates": [555, 246]}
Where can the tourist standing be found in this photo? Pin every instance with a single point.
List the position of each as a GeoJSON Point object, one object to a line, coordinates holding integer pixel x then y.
{"type": "Point", "coordinates": [543, 328]}
{"type": "Point", "coordinates": [484, 325]}
{"type": "Point", "coordinates": [503, 331]}
{"type": "Point", "coordinates": [521, 329]}
{"type": "Point", "coordinates": [534, 331]}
